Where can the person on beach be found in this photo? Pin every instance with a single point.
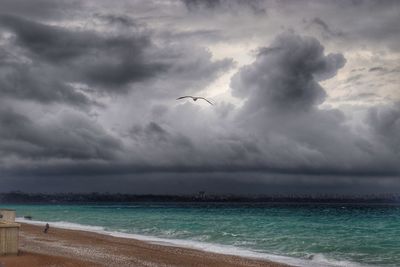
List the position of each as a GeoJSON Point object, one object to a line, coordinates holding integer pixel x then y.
{"type": "Point", "coordinates": [46, 228]}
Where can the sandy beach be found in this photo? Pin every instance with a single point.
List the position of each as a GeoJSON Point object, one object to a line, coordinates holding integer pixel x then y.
{"type": "Point", "coordinates": [61, 247]}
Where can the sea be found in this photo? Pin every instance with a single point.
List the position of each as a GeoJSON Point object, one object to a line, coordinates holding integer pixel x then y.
{"type": "Point", "coordinates": [297, 234]}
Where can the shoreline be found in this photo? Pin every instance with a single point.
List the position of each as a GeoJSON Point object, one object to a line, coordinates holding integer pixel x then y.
{"type": "Point", "coordinates": [66, 247]}
{"type": "Point", "coordinates": [181, 243]}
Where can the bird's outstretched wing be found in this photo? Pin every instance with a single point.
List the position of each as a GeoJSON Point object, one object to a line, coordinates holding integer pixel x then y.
{"type": "Point", "coordinates": [195, 98]}
{"type": "Point", "coordinates": [186, 96]}
{"type": "Point", "coordinates": [206, 100]}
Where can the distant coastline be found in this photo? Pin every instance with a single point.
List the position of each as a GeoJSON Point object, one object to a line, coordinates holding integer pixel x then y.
{"type": "Point", "coordinates": [22, 197]}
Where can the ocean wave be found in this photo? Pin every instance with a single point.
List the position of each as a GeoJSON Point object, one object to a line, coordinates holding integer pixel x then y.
{"type": "Point", "coordinates": [317, 260]}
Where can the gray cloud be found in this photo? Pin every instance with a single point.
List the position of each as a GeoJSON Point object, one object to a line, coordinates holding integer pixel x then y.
{"type": "Point", "coordinates": [282, 96]}
{"type": "Point", "coordinates": [71, 136]}
{"type": "Point", "coordinates": [88, 95]}
{"type": "Point", "coordinates": [56, 57]}
{"type": "Point", "coordinates": [118, 20]}
{"type": "Point", "coordinates": [284, 132]}
{"type": "Point", "coordinates": [40, 9]}
{"type": "Point", "coordinates": [39, 83]}
{"type": "Point", "coordinates": [98, 60]}
{"type": "Point", "coordinates": [284, 75]}
{"type": "Point", "coordinates": [385, 124]}
{"type": "Point", "coordinates": [377, 69]}
{"type": "Point", "coordinates": [153, 135]}
{"type": "Point", "coordinates": [231, 6]}
{"type": "Point", "coordinates": [326, 30]}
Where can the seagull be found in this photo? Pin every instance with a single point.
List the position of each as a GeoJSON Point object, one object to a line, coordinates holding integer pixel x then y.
{"type": "Point", "coordinates": [194, 98]}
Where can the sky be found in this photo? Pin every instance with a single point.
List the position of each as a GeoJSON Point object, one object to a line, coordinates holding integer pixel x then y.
{"type": "Point", "coordinates": [306, 96]}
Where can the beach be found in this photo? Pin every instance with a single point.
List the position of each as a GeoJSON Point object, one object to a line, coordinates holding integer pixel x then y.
{"type": "Point", "coordinates": [62, 247]}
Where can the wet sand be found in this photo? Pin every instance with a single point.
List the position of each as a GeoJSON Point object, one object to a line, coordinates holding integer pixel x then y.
{"type": "Point", "coordinates": [60, 247]}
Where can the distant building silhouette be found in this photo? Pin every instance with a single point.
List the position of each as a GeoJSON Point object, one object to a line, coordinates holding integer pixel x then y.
{"type": "Point", "coordinates": [201, 195]}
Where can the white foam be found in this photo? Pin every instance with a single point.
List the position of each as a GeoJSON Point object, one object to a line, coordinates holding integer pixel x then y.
{"type": "Point", "coordinates": [318, 260]}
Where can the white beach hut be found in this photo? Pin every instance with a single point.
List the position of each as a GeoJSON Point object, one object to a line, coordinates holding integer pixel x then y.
{"type": "Point", "coordinates": [9, 231]}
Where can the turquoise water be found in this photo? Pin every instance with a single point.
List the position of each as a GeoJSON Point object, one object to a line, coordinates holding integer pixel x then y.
{"type": "Point", "coordinates": [328, 235]}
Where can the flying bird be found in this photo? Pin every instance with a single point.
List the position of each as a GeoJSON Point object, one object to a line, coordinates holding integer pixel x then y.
{"type": "Point", "coordinates": [194, 98]}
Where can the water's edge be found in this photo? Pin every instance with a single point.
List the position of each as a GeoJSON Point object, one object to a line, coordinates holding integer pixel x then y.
{"type": "Point", "coordinates": [316, 261]}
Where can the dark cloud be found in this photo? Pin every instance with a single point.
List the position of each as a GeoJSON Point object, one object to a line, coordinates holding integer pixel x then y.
{"type": "Point", "coordinates": [40, 9]}
{"type": "Point", "coordinates": [71, 136]}
{"type": "Point", "coordinates": [153, 134]}
{"type": "Point", "coordinates": [58, 57]}
{"type": "Point", "coordinates": [280, 128]}
{"type": "Point", "coordinates": [321, 23]}
{"type": "Point", "coordinates": [385, 123]}
{"type": "Point", "coordinates": [119, 20]}
{"type": "Point", "coordinates": [327, 31]}
{"type": "Point", "coordinates": [282, 96]}
{"type": "Point", "coordinates": [349, 24]}
{"type": "Point", "coordinates": [195, 65]}
{"type": "Point", "coordinates": [32, 82]}
{"type": "Point", "coordinates": [202, 3]}
{"type": "Point", "coordinates": [194, 36]}
{"type": "Point", "coordinates": [52, 43]}
{"type": "Point", "coordinates": [107, 61]}
{"type": "Point", "coordinates": [231, 6]}
{"type": "Point", "coordinates": [378, 30]}
{"type": "Point", "coordinates": [88, 95]}
{"type": "Point", "coordinates": [285, 75]}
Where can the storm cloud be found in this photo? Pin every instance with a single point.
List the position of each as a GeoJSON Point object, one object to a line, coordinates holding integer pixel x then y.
{"type": "Point", "coordinates": [72, 136]}
{"type": "Point", "coordinates": [105, 61]}
{"type": "Point", "coordinates": [309, 101]}
{"type": "Point", "coordinates": [98, 62]}
{"type": "Point", "coordinates": [285, 75]}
